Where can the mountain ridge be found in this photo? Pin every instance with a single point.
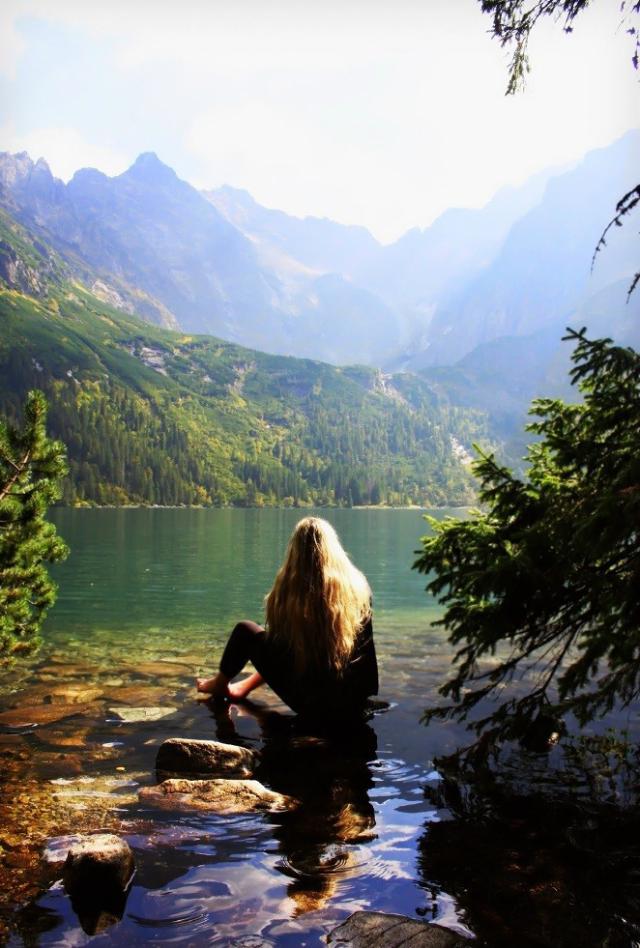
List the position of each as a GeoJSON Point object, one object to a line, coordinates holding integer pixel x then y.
{"type": "Point", "coordinates": [219, 262]}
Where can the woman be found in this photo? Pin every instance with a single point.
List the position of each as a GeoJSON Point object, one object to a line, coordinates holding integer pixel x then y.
{"type": "Point", "coordinates": [317, 650]}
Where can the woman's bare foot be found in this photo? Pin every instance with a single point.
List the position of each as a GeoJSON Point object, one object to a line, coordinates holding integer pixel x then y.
{"type": "Point", "coordinates": [217, 687]}
{"type": "Point", "coordinates": [239, 690]}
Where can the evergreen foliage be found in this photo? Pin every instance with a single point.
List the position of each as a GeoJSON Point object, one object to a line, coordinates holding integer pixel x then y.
{"type": "Point", "coordinates": [31, 468]}
{"type": "Point", "coordinates": [545, 585]}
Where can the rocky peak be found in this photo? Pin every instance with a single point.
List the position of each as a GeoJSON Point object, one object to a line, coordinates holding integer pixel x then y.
{"type": "Point", "coordinates": [14, 169]}
{"type": "Point", "coordinates": [148, 168]}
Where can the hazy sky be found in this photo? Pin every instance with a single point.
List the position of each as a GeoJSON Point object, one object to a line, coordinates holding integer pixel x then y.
{"type": "Point", "coordinates": [375, 112]}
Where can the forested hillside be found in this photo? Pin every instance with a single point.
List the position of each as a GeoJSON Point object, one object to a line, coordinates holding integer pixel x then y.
{"type": "Point", "coordinates": [153, 416]}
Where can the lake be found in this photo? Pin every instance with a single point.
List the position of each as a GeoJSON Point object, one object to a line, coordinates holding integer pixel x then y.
{"type": "Point", "coordinates": [146, 601]}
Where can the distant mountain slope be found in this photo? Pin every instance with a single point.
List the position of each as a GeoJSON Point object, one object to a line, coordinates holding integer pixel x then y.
{"type": "Point", "coordinates": [155, 416]}
{"type": "Point", "coordinates": [148, 235]}
{"type": "Point", "coordinates": [503, 376]}
{"type": "Point", "coordinates": [217, 262]}
{"type": "Point", "coordinates": [30, 193]}
{"type": "Point", "coordinates": [420, 268]}
{"type": "Point", "coordinates": [320, 244]}
{"type": "Point", "coordinates": [542, 272]}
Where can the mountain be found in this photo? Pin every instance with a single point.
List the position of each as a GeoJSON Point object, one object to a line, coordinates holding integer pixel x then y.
{"type": "Point", "coordinates": [218, 262]}
{"type": "Point", "coordinates": [542, 272]}
{"type": "Point", "coordinates": [154, 416]}
{"type": "Point", "coordinates": [150, 234]}
{"type": "Point", "coordinates": [319, 244]}
{"type": "Point", "coordinates": [502, 377]}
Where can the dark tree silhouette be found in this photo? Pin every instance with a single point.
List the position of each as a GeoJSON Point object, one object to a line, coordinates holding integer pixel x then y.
{"type": "Point", "coordinates": [545, 585]}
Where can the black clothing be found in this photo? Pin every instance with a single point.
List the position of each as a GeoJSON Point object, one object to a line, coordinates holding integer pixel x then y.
{"type": "Point", "coordinates": [316, 692]}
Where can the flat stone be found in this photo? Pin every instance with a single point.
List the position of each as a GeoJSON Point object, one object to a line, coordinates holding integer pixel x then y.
{"type": "Point", "coordinates": [77, 738]}
{"type": "Point", "coordinates": [188, 756]}
{"type": "Point", "coordinates": [383, 930]}
{"type": "Point", "coordinates": [161, 669]}
{"type": "Point", "coordinates": [214, 796]}
{"type": "Point", "coordinates": [139, 695]}
{"type": "Point", "coordinates": [99, 862]}
{"type": "Point", "coordinates": [134, 715]}
{"type": "Point", "coordinates": [59, 764]}
{"type": "Point", "coordinates": [96, 795]}
{"type": "Point", "coordinates": [42, 714]}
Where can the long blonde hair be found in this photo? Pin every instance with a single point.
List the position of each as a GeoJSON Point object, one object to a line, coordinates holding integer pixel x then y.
{"type": "Point", "coordinates": [319, 600]}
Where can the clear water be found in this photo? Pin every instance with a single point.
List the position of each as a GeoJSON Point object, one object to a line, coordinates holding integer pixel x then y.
{"type": "Point", "coordinates": [147, 599]}
{"type": "Point", "coordinates": [147, 585]}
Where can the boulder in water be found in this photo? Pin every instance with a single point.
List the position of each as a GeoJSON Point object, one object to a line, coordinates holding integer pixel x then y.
{"type": "Point", "coordinates": [96, 874]}
{"type": "Point", "coordinates": [215, 796]}
{"type": "Point", "coordinates": [97, 863]}
{"type": "Point", "coordinates": [188, 756]}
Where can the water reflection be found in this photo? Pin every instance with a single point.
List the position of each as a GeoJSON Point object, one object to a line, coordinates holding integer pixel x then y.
{"type": "Point", "coordinates": [328, 772]}
{"type": "Point", "coordinates": [534, 854]}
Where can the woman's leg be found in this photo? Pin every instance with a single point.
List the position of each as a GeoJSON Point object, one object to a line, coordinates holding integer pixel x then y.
{"type": "Point", "coordinates": [246, 643]}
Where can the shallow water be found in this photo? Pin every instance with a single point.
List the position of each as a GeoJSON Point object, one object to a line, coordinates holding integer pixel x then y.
{"type": "Point", "coordinates": [146, 601]}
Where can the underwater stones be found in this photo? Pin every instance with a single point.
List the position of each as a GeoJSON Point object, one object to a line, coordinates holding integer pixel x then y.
{"type": "Point", "coordinates": [56, 693]}
{"type": "Point", "coordinates": [77, 738]}
{"type": "Point", "coordinates": [96, 796]}
{"type": "Point", "coordinates": [59, 764]}
{"type": "Point", "coordinates": [188, 756]}
{"type": "Point", "coordinates": [161, 669]}
{"type": "Point", "coordinates": [41, 714]}
{"type": "Point", "coordinates": [140, 694]}
{"type": "Point", "coordinates": [214, 796]}
{"type": "Point", "coordinates": [382, 930]}
{"type": "Point", "coordinates": [136, 715]}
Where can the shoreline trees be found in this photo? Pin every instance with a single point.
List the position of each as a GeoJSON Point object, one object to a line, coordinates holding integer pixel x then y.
{"type": "Point", "coordinates": [31, 469]}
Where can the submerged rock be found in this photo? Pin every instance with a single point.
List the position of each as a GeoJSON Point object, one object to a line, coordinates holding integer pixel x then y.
{"type": "Point", "coordinates": [98, 796]}
{"type": "Point", "coordinates": [140, 694]}
{"type": "Point", "coordinates": [383, 930]}
{"type": "Point", "coordinates": [135, 715]}
{"type": "Point", "coordinates": [215, 796]}
{"type": "Point", "coordinates": [56, 693]}
{"type": "Point", "coordinates": [187, 756]}
{"type": "Point", "coordinates": [42, 714]}
{"type": "Point", "coordinates": [161, 669]}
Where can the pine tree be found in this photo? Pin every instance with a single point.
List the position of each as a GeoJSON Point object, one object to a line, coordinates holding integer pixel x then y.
{"type": "Point", "coordinates": [545, 586]}
{"type": "Point", "coordinates": [31, 468]}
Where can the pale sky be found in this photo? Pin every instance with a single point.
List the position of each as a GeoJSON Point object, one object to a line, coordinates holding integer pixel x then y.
{"type": "Point", "coordinates": [375, 112]}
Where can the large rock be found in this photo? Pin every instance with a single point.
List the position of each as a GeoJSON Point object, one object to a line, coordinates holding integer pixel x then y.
{"type": "Point", "coordinates": [188, 756]}
{"type": "Point", "coordinates": [96, 874]}
{"type": "Point", "coordinates": [97, 864]}
{"type": "Point", "coordinates": [215, 796]}
{"type": "Point", "coordinates": [382, 930]}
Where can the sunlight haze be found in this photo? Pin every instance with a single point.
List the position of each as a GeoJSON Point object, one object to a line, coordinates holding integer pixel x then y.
{"type": "Point", "coordinates": [377, 114]}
